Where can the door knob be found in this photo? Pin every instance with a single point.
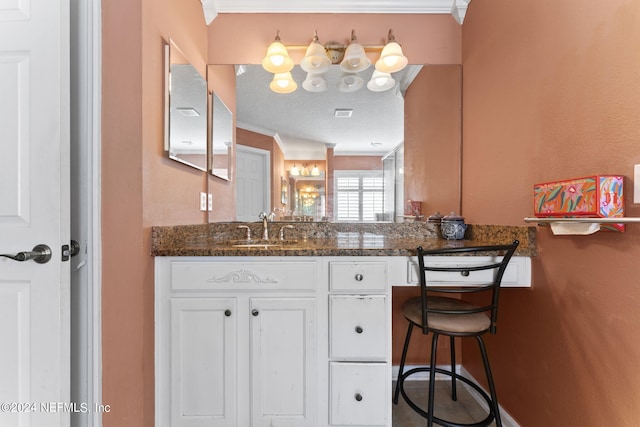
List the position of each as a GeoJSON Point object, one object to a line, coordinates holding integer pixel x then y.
{"type": "Point", "coordinates": [40, 254]}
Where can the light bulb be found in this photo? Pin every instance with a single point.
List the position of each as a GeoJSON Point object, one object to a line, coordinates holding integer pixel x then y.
{"type": "Point", "coordinates": [277, 60]}
{"type": "Point", "coordinates": [390, 61]}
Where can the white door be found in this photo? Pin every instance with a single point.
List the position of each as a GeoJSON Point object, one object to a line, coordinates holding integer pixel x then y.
{"type": "Point", "coordinates": [34, 209]}
{"type": "Point", "coordinates": [253, 183]}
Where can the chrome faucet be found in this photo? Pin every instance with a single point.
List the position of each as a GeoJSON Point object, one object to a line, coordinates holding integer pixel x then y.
{"type": "Point", "coordinates": [265, 225]}
{"type": "Point", "coordinates": [282, 231]}
{"type": "Point", "coordinates": [247, 231]}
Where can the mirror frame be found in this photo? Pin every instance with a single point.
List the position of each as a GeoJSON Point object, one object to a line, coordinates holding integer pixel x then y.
{"type": "Point", "coordinates": [171, 51]}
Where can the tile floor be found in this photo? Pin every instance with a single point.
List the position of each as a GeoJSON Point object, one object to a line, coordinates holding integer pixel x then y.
{"type": "Point", "coordinates": [465, 410]}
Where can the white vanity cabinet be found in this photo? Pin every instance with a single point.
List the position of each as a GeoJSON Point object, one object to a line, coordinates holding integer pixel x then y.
{"type": "Point", "coordinates": [236, 342]}
{"type": "Point", "coordinates": [295, 341]}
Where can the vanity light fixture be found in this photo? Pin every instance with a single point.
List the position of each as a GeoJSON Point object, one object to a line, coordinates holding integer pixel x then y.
{"type": "Point", "coordinates": [315, 60]}
{"type": "Point", "coordinates": [277, 59]}
{"type": "Point", "coordinates": [294, 170]}
{"type": "Point", "coordinates": [380, 82]}
{"type": "Point", "coordinates": [318, 58]}
{"type": "Point", "coordinates": [283, 83]}
{"type": "Point", "coordinates": [350, 82]}
{"type": "Point", "coordinates": [315, 83]}
{"type": "Point", "coordinates": [355, 60]}
{"type": "Point", "coordinates": [391, 59]}
{"type": "Point", "coordinates": [315, 171]}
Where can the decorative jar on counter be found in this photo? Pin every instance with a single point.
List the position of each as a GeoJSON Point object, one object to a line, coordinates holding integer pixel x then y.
{"type": "Point", "coordinates": [453, 227]}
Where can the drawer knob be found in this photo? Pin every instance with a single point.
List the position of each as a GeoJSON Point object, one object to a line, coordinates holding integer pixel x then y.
{"type": "Point", "coordinates": [255, 312]}
{"type": "Point", "coordinates": [359, 329]}
{"type": "Point", "coordinates": [227, 312]}
{"type": "Point", "coordinates": [359, 277]}
{"type": "Point", "coordinates": [358, 397]}
{"type": "Point", "coordinates": [465, 273]}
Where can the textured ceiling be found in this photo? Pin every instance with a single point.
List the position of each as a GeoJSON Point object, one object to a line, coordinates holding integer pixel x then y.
{"type": "Point", "coordinates": [304, 122]}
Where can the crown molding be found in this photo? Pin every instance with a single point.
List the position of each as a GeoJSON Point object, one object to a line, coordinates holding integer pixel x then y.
{"type": "Point", "coordinates": [457, 8]}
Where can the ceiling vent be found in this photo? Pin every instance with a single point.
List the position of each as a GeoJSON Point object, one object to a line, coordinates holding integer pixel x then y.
{"type": "Point", "coordinates": [343, 112]}
{"type": "Point", "coordinates": [188, 111]}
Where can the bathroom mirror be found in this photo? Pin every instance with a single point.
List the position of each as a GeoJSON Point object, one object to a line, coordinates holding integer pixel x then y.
{"type": "Point", "coordinates": [185, 110]}
{"type": "Point", "coordinates": [221, 138]}
{"type": "Point", "coordinates": [290, 122]}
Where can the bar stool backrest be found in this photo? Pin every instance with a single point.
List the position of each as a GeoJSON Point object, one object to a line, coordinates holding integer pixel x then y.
{"type": "Point", "coordinates": [488, 287]}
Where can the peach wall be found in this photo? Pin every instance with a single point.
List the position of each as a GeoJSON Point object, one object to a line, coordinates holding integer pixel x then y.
{"type": "Point", "coordinates": [551, 91]}
{"type": "Point", "coordinates": [140, 188]}
{"type": "Point", "coordinates": [123, 331]}
{"type": "Point", "coordinates": [433, 131]}
{"type": "Point", "coordinates": [357, 163]}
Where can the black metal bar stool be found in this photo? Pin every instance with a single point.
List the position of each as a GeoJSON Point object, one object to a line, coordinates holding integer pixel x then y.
{"type": "Point", "coordinates": [453, 317]}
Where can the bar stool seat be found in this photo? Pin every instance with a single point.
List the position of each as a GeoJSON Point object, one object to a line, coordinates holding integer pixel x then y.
{"type": "Point", "coordinates": [444, 323]}
{"type": "Point", "coordinates": [452, 317]}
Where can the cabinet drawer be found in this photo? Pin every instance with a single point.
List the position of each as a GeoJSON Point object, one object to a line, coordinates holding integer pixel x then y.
{"type": "Point", "coordinates": [357, 276]}
{"type": "Point", "coordinates": [357, 327]}
{"type": "Point", "coordinates": [359, 394]}
{"type": "Point", "coordinates": [518, 271]}
{"type": "Point", "coordinates": [237, 275]}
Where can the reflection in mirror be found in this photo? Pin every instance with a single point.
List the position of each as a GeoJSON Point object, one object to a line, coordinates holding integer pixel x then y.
{"type": "Point", "coordinates": [309, 202]}
{"type": "Point", "coordinates": [186, 110]}
{"type": "Point", "coordinates": [221, 138]}
{"type": "Point", "coordinates": [419, 161]}
{"type": "Point", "coordinates": [360, 126]}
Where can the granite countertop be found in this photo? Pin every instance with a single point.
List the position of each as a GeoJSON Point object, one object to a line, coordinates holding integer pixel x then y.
{"type": "Point", "coordinates": [328, 239]}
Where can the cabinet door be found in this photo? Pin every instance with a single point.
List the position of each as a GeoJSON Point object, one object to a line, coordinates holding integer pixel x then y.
{"type": "Point", "coordinates": [283, 362]}
{"type": "Point", "coordinates": [203, 362]}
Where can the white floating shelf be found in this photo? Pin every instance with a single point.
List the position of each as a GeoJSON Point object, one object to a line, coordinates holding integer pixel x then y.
{"type": "Point", "coordinates": [621, 220]}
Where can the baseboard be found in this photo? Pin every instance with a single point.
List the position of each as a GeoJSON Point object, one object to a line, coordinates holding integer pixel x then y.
{"type": "Point", "coordinates": [507, 420]}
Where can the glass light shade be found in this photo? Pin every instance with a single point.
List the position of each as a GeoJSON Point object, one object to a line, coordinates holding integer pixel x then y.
{"type": "Point", "coordinates": [315, 83]}
{"type": "Point", "coordinates": [316, 59]}
{"type": "Point", "coordinates": [350, 83]}
{"type": "Point", "coordinates": [391, 59]}
{"type": "Point", "coordinates": [277, 59]}
{"type": "Point", "coordinates": [283, 83]}
{"type": "Point", "coordinates": [294, 171]}
{"type": "Point", "coordinates": [355, 60]}
{"type": "Point", "coordinates": [315, 171]}
{"type": "Point", "coordinates": [380, 82]}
